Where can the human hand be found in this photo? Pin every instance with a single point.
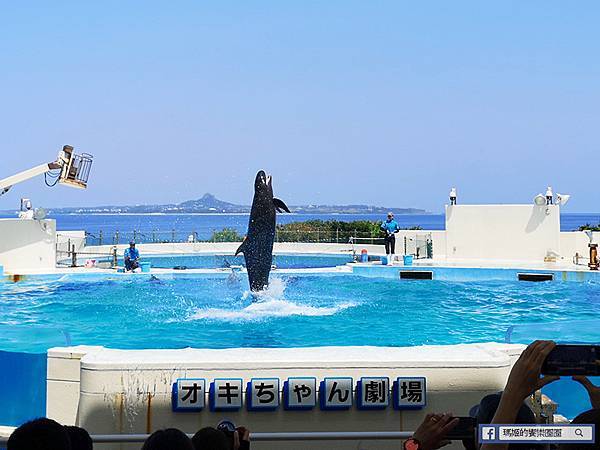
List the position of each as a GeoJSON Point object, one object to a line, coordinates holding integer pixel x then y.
{"type": "Point", "coordinates": [524, 378]}
{"type": "Point", "coordinates": [593, 390]}
{"type": "Point", "coordinates": [433, 430]}
{"type": "Point", "coordinates": [241, 440]}
{"type": "Point", "coordinates": [236, 440]}
{"type": "Point", "coordinates": [244, 433]}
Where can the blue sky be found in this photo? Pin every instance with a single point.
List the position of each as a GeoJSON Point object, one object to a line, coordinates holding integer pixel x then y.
{"type": "Point", "coordinates": [387, 103]}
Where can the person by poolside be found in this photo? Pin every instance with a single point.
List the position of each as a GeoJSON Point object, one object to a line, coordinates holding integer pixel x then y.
{"type": "Point", "coordinates": [390, 227]}
{"type": "Point", "coordinates": [131, 257]}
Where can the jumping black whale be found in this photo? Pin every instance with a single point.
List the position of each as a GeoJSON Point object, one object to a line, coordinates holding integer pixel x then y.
{"type": "Point", "coordinates": [258, 245]}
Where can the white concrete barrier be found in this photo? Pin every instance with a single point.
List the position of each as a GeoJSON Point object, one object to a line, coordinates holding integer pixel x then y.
{"type": "Point", "coordinates": [27, 245]}
{"type": "Point", "coordinates": [129, 391]}
{"type": "Point", "coordinates": [472, 242]}
{"type": "Point", "coordinates": [502, 232]}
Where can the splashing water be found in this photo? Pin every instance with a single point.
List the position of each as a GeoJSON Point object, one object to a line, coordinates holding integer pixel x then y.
{"type": "Point", "coordinates": [275, 290]}
{"type": "Point", "coordinates": [266, 304]}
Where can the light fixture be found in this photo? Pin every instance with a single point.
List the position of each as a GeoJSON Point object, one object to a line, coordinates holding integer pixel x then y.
{"type": "Point", "coordinates": [539, 200]}
{"type": "Point", "coordinates": [562, 199]}
{"type": "Point", "coordinates": [39, 214]}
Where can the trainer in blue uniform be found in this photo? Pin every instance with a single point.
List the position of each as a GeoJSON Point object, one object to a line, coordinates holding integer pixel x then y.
{"type": "Point", "coordinates": [131, 257]}
{"type": "Point", "coordinates": [389, 227]}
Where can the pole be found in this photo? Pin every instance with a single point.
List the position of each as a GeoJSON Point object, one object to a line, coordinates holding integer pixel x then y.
{"type": "Point", "coordinates": [73, 256]}
{"type": "Point", "coordinates": [114, 255]}
{"type": "Point", "coordinates": [272, 437]}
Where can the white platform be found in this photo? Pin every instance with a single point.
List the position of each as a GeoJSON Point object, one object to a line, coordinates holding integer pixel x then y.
{"type": "Point", "coordinates": [129, 391]}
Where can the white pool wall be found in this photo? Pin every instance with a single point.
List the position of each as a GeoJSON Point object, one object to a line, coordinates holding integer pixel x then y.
{"type": "Point", "coordinates": [494, 233]}
{"type": "Point", "coordinates": [27, 245]}
{"type": "Point", "coordinates": [129, 391]}
{"type": "Point", "coordinates": [504, 232]}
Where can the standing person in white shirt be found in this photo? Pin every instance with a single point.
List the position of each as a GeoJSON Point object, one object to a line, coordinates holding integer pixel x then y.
{"type": "Point", "coordinates": [453, 196]}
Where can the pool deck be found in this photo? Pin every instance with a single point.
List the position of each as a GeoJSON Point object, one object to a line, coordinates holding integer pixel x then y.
{"type": "Point", "coordinates": [443, 268]}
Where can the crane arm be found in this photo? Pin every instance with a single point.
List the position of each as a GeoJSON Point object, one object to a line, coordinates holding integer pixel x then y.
{"type": "Point", "coordinates": [74, 170]}
{"type": "Point", "coordinates": [9, 182]}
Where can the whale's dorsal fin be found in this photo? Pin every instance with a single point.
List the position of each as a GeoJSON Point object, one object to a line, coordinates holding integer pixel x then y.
{"type": "Point", "coordinates": [279, 205]}
{"type": "Point", "coordinates": [241, 248]}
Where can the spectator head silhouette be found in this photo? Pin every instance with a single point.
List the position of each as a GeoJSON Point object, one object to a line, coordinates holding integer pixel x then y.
{"type": "Point", "coordinates": [39, 434]}
{"type": "Point", "coordinates": [80, 439]}
{"type": "Point", "coordinates": [169, 439]}
{"type": "Point", "coordinates": [210, 438]}
{"type": "Point", "coordinates": [484, 413]}
{"type": "Point", "coordinates": [589, 417]}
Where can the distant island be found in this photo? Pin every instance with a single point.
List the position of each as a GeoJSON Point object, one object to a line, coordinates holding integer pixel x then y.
{"type": "Point", "coordinates": [210, 204]}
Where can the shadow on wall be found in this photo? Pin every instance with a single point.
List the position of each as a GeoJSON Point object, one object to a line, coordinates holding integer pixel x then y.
{"type": "Point", "coordinates": [144, 413]}
{"type": "Point", "coordinates": [538, 215]}
{"type": "Point", "coordinates": [33, 232]}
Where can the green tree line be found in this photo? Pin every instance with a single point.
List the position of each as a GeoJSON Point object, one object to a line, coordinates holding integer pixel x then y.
{"type": "Point", "coordinates": [315, 231]}
{"type": "Point", "coordinates": [591, 227]}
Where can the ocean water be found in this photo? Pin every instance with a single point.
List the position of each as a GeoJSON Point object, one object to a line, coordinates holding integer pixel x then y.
{"type": "Point", "coordinates": [162, 226]}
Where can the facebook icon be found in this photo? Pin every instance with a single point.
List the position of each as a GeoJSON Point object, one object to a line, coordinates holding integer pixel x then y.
{"type": "Point", "coordinates": [488, 433]}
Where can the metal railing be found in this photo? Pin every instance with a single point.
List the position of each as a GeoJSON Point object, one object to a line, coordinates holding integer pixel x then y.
{"type": "Point", "coordinates": [270, 437]}
{"type": "Point", "coordinates": [118, 237]}
{"type": "Point", "coordinates": [67, 254]}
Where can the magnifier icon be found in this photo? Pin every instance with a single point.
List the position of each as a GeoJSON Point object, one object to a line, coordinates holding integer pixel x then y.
{"type": "Point", "coordinates": [578, 432]}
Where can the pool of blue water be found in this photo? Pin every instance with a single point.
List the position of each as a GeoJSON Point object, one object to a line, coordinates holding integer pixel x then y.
{"type": "Point", "coordinates": [209, 261]}
{"type": "Point", "coordinates": [217, 311]}
{"type": "Point", "coordinates": [298, 310]}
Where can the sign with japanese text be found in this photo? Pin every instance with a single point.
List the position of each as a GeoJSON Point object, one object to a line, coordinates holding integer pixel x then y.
{"type": "Point", "coordinates": [300, 393]}
{"type": "Point", "coordinates": [189, 394]}
{"type": "Point", "coordinates": [409, 393]}
{"type": "Point", "coordinates": [226, 394]}
{"type": "Point", "coordinates": [373, 393]}
{"type": "Point", "coordinates": [263, 394]}
{"type": "Point", "coordinates": [336, 393]}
